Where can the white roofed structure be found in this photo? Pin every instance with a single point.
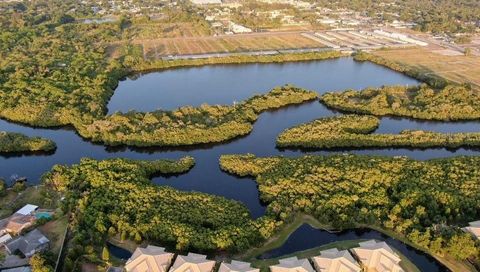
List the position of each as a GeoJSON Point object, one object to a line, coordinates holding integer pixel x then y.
{"type": "Point", "coordinates": [333, 260]}
{"type": "Point", "coordinates": [292, 264]}
{"type": "Point", "coordinates": [377, 257]}
{"type": "Point", "coordinates": [473, 228]}
{"type": "Point", "coordinates": [237, 266]}
{"type": "Point", "coordinates": [27, 209]}
{"type": "Point", "coordinates": [206, 2]}
{"type": "Point", "coordinates": [149, 259]}
{"type": "Point", "coordinates": [192, 263]}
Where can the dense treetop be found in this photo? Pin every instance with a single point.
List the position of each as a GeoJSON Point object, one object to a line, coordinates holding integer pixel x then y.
{"type": "Point", "coordinates": [17, 142]}
{"type": "Point", "coordinates": [115, 196]}
{"type": "Point", "coordinates": [189, 125]}
{"type": "Point", "coordinates": [424, 200]}
{"type": "Point", "coordinates": [354, 131]}
{"type": "Point", "coordinates": [451, 103]}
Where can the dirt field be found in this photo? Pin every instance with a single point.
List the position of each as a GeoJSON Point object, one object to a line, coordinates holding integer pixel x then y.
{"type": "Point", "coordinates": [457, 68]}
{"type": "Point", "coordinates": [157, 48]}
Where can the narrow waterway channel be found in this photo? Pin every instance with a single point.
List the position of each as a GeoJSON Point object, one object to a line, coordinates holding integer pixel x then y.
{"type": "Point", "coordinates": [225, 84]}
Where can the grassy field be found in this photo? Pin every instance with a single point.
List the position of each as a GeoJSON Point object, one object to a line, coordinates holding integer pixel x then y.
{"type": "Point", "coordinates": [456, 68]}
{"type": "Point", "coordinates": [55, 231]}
{"type": "Point", "coordinates": [14, 201]}
{"type": "Point", "coordinates": [157, 48]}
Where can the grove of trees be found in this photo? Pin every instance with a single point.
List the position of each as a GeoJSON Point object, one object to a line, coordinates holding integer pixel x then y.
{"type": "Point", "coordinates": [425, 201]}
{"type": "Point", "coordinates": [451, 103]}
{"type": "Point", "coordinates": [355, 131]}
{"type": "Point", "coordinates": [17, 142]}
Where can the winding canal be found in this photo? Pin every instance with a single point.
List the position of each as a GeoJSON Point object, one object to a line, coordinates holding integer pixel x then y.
{"type": "Point", "coordinates": [225, 84]}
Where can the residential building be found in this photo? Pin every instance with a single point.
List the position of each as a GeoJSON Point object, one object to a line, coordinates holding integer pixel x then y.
{"type": "Point", "coordinates": [292, 264]}
{"type": "Point", "coordinates": [5, 239]}
{"type": "Point", "coordinates": [473, 228]}
{"type": "Point", "coordinates": [377, 257]}
{"type": "Point", "coordinates": [28, 244]}
{"type": "Point", "coordinates": [149, 259]}
{"type": "Point", "coordinates": [333, 260]}
{"type": "Point", "coordinates": [18, 221]}
{"type": "Point", "coordinates": [237, 266]}
{"type": "Point", "coordinates": [192, 263]}
{"type": "Point", "coordinates": [28, 209]}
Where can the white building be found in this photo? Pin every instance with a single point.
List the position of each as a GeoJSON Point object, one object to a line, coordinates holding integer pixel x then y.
{"type": "Point", "coordinates": [236, 28]}
{"type": "Point", "coordinates": [237, 266]}
{"type": "Point", "coordinates": [192, 263]}
{"type": "Point", "coordinates": [377, 256]}
{"type": "Point", "coordinates": [149, 259]}
{"type": "Point", "coordinates": [333, 260]}
{"type": "Point", "coordinates": [473, 228]}
{"type": "Point", "coordinates": [292, 264]}
{"type": "Point", "coordinates": [206, 2]}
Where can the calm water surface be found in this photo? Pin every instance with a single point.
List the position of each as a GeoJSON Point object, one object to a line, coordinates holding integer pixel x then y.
{"type": "Point", "coordinates": [225, 84]}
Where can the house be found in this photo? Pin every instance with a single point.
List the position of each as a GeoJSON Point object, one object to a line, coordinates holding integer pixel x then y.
{"type": "Point", "coordinates": [333, 260]}
{"type": "Point", "coordinates": [192, 263]}
{"type": "Point", "coordinates": [377, 256]}
{"type": "Point", "coordinates": [237, 266]}
{"type": "Point", "coordinates": [16, 223]}
{"type": "Point", "coordinates": [149, 259]}
{"type": "Point", "coordinates": [28, 244]}
{"type": "Point", "coordinates": [5, 238]}
{"type": "Point", "coordinates": [473, 228]}
{"type": "Point", "coordinates": [292, 264]}
{"type": "Point", "coordinates": [28, 209]}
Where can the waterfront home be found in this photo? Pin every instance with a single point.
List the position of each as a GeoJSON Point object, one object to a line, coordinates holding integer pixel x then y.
{"type": "Point", "coordinates": [18, 221]}
{"type": "Point", "coordinates": [292, 264]}
{"type": "Point", "coordinates": [473, 228]}
{"type": "Point", "coordinates": [5, 238]}
{"type": "Point", "coordinates": [377, 256]}
{"type": "Point", "coordinates": [333, 260]}
{"type": "Point", "coordinates": [149, 259]}
{"type": "Point", "coordinates": [28, 209]}
{"type": "Point", "coordinates": [28, 244]}
{"type": "Point", "coordinates": [192, 263]}
{"type": "Point", "coordinates": [237, 266]}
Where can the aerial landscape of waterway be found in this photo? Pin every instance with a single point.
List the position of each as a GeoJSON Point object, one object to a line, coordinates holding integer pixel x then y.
{"type": "Point", "coordinates": [225, 84]}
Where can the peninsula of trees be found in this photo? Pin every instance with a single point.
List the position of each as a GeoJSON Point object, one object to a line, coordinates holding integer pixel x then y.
{"type": "Point", "coordinates": [17, 142]}
{"type": "Point", "coordinates": [452, 103]}
{"type": "Point", "coordinates": [189, 125]}
{"type": "Point", "coordinates": [354, 131]}
{"type": "Point", "coordinates": [424, 201]}
{"type": "Point", "coordinates": [116, 198]}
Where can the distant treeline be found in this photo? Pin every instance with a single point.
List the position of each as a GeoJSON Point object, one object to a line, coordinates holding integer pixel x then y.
{"type": "Point", "coordinates": [452, 103]}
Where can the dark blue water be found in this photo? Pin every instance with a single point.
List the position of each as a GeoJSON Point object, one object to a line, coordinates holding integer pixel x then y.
{"type": "Point", "coordinates": [225, 84]}
{"type": "Point", "coordinates": [306, 237]}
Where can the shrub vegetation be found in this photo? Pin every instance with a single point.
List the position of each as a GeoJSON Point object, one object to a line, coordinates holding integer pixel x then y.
{"type": "Point", "coordinates": [17, 142]}
{"type": "Point", "coordinates": [346, 131]}
{"type": "Point", "coordinates": [116, 197]}
{"type": "Point", "coordinates": [452, 103]}
{"type": "Point", "coordinates": [425, 201]}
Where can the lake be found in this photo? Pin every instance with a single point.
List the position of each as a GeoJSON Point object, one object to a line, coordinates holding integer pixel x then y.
{"type": "Point", "coordinates": [226, 84]}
